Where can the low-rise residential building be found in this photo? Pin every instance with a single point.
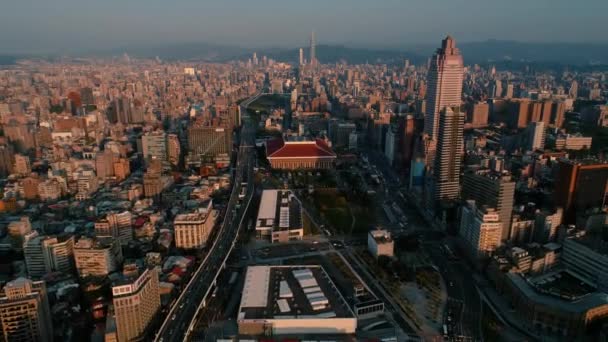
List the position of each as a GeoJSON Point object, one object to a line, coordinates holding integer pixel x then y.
{"type": "Point", "coordinates": [49, 190]}
{"type": "Point", "coordinates": [380, 243]}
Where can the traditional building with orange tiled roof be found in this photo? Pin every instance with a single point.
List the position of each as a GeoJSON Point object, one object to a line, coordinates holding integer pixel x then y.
{"type": "Point", "coordinates": [290, 155]}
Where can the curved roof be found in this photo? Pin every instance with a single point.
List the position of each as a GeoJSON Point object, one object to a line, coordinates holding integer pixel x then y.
{"type": "Point", "coordinates": [278, 148]}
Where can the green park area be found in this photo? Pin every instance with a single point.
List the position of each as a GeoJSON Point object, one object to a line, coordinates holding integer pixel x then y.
{"type": "Point", "coordinates": [334, 208]}
{"type": "Point", "coordinates": [309, 227]}
{"type": "Point", "coordinates": [265, 103]}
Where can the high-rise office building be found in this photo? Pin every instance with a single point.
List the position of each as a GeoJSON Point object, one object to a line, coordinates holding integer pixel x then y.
{"type": "Point", "coordinates": [209, 140]}
{"type": "Point", "coordinates": [522, 111]}
{"type": "Point", "coordinates": [154, 145]}
{"type": "Point", "coordinates": [546, 225]}
{"type": "Point", "coordinates": [496, 89]}
{"type": "Point", "coordinates": [122, 168]}
{"type": "Point", "coordinates": [509, 91]}
{"type": "Point", "coordinates": [301, 56]}
{"type": "Point", "coordinates": [535, 109]}
{"type": "Point", "coordinates": [477, 114]}
{"type": "Point", "coordinates": [136, 300]}
{"type": "Point", "coordinates": [24, 311]}
{"type": "Point", "coordinates": [579, 186]}
{"type": "Point", "coordinates": [339, 132]}
{"type": "Point", "coordinates": [492, 189]}
{"type": "Point", "coordinates": [116, 225]}
{"type": "Point", "coordinates": [480, 228]}
{"type": "Point", "coordinates": [390, 143]}
{"type": "Point", "coordinates": [154, 183]}
{"type": "Point", "coordinates": [535, 136]}
{"type": "Point", "coordinates": [558, 111]}
{"type": "Point", "coordinates": [446, 173]}
{"type": "Point", "coordinates": [547, 106]}
{"type": "Point", "coordinates": [104, 163]}
{"type": "Point", "coordinates": [6, 160]}
{"type": "Point", "coordinates": [409, 133]}
{"type": "Point", "coordinates": [573, 91]}
{"type": "Point", "coordinates": [173, 149]}
{"type": "Point", "coordinates": [444, 88]}
{"type": "Point", "coordinates": [45, 254]}
{"type": "Point", "coordinates": [86, 96]}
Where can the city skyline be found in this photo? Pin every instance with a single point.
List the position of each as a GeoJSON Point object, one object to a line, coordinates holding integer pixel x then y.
{"type": "Point", "coordinates": [69, 25]}
{"type": "Point", "coordinates": [176, 192]}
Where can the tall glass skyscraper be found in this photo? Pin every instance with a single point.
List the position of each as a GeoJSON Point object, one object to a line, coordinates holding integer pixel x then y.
{"type": "Point", "coordinates": [444, 82]}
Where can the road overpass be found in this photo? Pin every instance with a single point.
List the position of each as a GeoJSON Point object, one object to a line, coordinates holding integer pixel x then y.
{"type": "Point", "coordinates": [182, 316]}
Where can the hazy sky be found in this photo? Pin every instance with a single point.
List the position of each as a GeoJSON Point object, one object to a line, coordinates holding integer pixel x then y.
{"type": "Point", "coordinates": [40, 25]}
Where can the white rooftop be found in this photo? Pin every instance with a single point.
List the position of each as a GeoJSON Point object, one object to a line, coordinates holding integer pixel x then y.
{"type": "Point", "coordinates": [255, 291]}
{"type": "Point", "coordinates": [268, 206]}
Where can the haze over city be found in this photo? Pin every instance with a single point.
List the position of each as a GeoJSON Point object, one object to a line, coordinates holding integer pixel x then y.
{"type": "Point", "coordinates": [310, 171]}
{"type": "Point", "coordinates": [28, 26]}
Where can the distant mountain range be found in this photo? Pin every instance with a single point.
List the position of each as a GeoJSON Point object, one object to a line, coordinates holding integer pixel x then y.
{"type": "Point", "coordinates": [8, 59]}
{"type": "Point", "coordinates": [491, 51]}
{"type": "Point", "coordinates": [566, 53]}
{"type": "Point", "coordinates": [474, 52]}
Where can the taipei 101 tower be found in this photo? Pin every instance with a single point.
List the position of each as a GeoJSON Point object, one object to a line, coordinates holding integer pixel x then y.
{"type": "Point", "coordinates": [313, 52]}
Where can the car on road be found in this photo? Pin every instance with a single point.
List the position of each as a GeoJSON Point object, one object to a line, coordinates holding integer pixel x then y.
{"type": "Point", "coordinates": [337, 244]}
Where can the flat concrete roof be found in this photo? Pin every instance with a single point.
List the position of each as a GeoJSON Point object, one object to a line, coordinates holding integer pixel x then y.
{"type": "Point", "coordinates": [313, 295]}
{"type": "Point", "coordinates": [268, 205]}
{"type": "Point", "coordinates": [279, 211]}
{"type": "Point", "coordinates": [255, 291]}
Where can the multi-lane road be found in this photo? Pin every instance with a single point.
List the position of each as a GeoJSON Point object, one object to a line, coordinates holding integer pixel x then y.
{"type": "Point", "coordinates": [462, 312]}
{"type": "Point", "coordinates": [462, 315]}
{"type": "Point", "coordinates": [183, 314]}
